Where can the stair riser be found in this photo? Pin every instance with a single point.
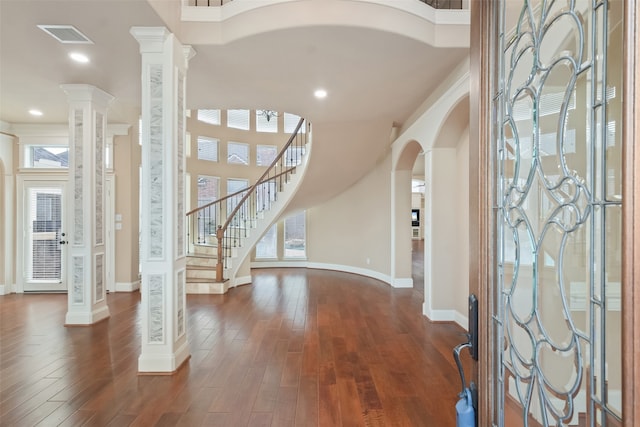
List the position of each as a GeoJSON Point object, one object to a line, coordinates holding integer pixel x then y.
{"type": "Point", "coordinates": [207, 288]}
{"type": "Point", "coordinates": [201, 274]}
{"type": "Point", "coordinates": [201, 262]}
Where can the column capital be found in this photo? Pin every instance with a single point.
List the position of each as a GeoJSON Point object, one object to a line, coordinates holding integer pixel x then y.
{"type": "Point", "coordinates": [151, 39]}
{"type": "Point", "coordinates": [189, 52]}
{"type": "Point", "coordinates": [86, 93]}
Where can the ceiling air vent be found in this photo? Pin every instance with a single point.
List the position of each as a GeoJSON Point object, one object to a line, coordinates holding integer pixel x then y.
{"type": "Point", "coordinates": [65, 34]}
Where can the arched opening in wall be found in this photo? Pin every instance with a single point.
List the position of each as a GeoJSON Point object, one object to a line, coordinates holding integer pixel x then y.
{"type": "Point", "coordinates": [417, 222]}
{"type": "Point", "coordinates": [408, 213]}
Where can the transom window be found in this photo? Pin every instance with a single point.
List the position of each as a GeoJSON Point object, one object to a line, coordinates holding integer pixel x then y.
{"type": "Point", "coordinates": [43, 156]}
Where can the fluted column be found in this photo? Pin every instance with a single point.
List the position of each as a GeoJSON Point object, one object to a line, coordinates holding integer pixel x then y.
{"type": "Point", "coordinates": [86, 238]}
{"type": "Point", "coordinates": [163, 298]}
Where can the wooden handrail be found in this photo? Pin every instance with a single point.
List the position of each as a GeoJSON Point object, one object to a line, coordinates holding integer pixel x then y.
{"type": "Point", "coordinates": [274, 163]}
{"type": "Point", "coordinates": [229, 218]}
{"type": "Point", "coordinates": [228, 196]}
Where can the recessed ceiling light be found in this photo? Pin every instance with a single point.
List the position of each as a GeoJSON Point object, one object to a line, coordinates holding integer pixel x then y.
{"type": "Point", "coordinates": [320, 93]}
{"type": "Point", "coordinates": [79, 57]}
{"type": "Point", "coordinates": [35, 112]}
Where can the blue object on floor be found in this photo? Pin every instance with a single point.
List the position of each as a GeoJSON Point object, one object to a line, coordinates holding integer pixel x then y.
{"type": "Point", "coordinates": [465, 414]}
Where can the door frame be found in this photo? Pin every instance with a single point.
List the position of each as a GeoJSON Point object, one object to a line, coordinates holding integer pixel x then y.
{"type": "Point", "coordinates": [110, 239]}
{"type": "Point", "coordinates": [631, 218]}
{"type": "Point", "coordinates": [482, 206]}
{"type": "Point", "coordinates": [24, 181]}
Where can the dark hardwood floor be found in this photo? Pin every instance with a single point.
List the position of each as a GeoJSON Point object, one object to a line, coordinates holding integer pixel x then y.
{"type": "Point", "coordinates": [296, 348]}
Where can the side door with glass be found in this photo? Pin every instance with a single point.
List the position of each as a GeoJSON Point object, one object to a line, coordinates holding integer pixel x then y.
{"type": "Point", "coordinates": [43, 237]}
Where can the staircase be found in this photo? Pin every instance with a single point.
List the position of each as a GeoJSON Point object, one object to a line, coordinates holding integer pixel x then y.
{"type": "Point", "coordinates": [221, 234]}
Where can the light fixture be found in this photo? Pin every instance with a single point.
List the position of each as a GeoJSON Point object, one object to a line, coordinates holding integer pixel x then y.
{"type": "Point", "coordinates": [35, 112]}
{"type": "Point", "coordinates": [79, 57]}
{"type": "Point", "coordinates": [268, 114]}
{"type": "Point", "coordinates": [320, 93]}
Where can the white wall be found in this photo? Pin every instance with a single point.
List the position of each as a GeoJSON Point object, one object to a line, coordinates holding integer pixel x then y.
{"type": "Point", "coordinates": [7, 212]}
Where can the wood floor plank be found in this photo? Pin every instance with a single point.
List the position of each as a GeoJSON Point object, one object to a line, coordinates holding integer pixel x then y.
{"type": "Point", "coordinates": [297, 348]}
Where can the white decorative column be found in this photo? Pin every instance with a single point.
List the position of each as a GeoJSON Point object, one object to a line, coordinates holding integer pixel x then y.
{"type": "Point", "coordinates": [164, 66]}
{"type": "Point", "coordinates": [86, 237]}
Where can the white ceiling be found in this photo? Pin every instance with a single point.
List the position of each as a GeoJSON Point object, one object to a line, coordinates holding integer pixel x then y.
{"type": "Point", "coordinates": [375, 79]}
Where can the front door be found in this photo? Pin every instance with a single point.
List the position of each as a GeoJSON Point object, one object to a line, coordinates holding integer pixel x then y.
{"type": "Point", "coordinates": [557, 156]}
{"type": "Point", "coordinates": [44, 237]}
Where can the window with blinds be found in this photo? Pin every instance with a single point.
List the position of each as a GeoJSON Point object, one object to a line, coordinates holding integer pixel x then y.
{"type": "Point", "coordinates": [290, 123]}
{"type": "Point", "coordinates": [209, 116]}
{"type": "Point", "coordinates": [265, 122]}
{"type": "Point", "coordinates": [45, 217]}
{"type": "Point", "coordinates": [208, 148]}
{"type": "Point", "coordinates": [238, 119]}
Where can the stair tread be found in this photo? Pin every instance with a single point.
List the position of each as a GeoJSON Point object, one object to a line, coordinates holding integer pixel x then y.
{"type": "Point", "coordinates": [204, 280]}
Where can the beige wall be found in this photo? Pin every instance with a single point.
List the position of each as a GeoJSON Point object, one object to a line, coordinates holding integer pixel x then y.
{"type": "Point", "coordinates": [126, 162]}
{"type": "Point", "coordinates": [462, 228]}
{"type": "Point", "coordinates": [355, 226]}
{"type": "Point", "coordinates": [220, 168]}
{"type": "Point", "coordinates": [444, 229]}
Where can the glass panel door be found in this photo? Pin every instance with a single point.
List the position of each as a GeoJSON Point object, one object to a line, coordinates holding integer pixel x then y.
{"type": "Point", "coordinates": [45, 238]}
{"type": "Point", "coordinates": [557, 135]}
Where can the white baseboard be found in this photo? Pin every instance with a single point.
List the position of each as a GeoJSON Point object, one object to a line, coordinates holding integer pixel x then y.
{"type": "Point", "coordinates": [151, 363]}
{"type": "Point", "coordinates": [461, 320]}
{"type": "Point", "coordinates": [445, 316]}
{"type": "Point", "coordinates": [403, 283]}
{"type": "Point", "coordinates": [7, 289]}
{"type": "Point", "coordinates": [279, 264]}
{"type": "Point", "coordinates": [86, 318]}
{"type": "Point", "coordinates": [127, 286]}
{"type": "Point", "coordinates": [244, 280]}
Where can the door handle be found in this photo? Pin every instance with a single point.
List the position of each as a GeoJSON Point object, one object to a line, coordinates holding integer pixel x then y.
{"type": "Point", "coordinates": [63, 242]}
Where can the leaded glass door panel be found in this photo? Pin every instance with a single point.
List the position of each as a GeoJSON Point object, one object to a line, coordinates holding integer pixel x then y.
{"type": "Point", "coordinates": [557, 135]}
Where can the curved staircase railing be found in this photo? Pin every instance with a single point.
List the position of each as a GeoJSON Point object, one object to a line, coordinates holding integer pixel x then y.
{"type": "Point", "coordinates": [227, 222]}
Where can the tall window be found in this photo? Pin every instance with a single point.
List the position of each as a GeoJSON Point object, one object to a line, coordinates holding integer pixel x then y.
{"type": "Point", "coordinates": [237, 153]}
{"type": "Point", "coordinates": [208, 149]}
{"type": "Point", "coordinates": [267, 247]}
{"type": "Point", "coordinates": [234, 184]}
{"type": "Point", "coordinates": [293, 156]}
{"type": "Point", "coordinates": [295, 236]}
{"type": "Point", "coordinates": [265, 154]}
{"type": "Point", "coordinates": [238, 119]}
{"type": "Point", "coordinates": [209, 116]}
{"type": "Point", "coordinates": [208, 189]}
